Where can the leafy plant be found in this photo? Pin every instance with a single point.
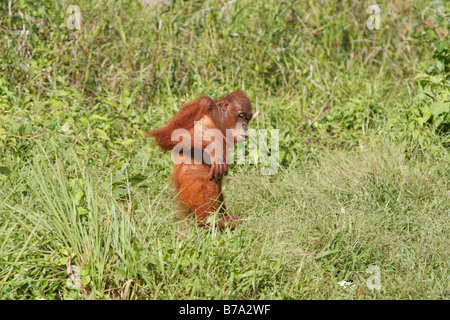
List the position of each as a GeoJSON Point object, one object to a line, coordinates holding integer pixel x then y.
{"type": "Point", "coordinates": [433, 98]}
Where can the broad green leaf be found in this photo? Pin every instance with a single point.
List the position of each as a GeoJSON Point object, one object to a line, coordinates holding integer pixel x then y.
{"type": "Point", "coordinates": [101, 134]}
{"type": "Point", "coordinates": [439, 107]}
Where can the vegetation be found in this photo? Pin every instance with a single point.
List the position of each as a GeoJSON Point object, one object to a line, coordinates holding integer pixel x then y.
{"type": "Point", "coordinates": [86, 207]}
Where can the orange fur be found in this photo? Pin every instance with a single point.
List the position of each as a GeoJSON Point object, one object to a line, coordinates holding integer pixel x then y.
{"type": "Point", "coordinates": [197, 192]}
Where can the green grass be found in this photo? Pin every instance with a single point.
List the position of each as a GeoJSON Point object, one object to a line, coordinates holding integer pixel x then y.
{"type": "Point", "coordinates": [364, 172]}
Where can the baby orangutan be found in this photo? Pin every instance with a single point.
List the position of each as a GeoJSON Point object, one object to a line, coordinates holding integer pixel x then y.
{"type": "Point", "coordinates": [199, 135]}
